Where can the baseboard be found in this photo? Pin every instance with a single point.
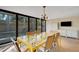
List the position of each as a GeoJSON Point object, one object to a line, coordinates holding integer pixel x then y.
{"type": "Point", "coordinates": [70, 37]}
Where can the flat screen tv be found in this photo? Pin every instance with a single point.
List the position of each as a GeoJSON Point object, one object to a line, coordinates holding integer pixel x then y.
{"type": "Point", "coordinates": [66, 23]}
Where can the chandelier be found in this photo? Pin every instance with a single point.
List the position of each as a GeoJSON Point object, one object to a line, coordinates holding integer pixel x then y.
{"type": "Point", "coordinates": [44, 15]}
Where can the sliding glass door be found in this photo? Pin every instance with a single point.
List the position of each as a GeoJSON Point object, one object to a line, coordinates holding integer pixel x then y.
{"type": "Point", "coordinates": [32, 29]}
{"type": "Point", "coordinates": [43, 29]}
{"type": "Point", "coordinates": [14, 24]}
{"type": "Point", "coordinates": [22, 25]}
{"type": "Point", "coordinates": [43, 24]}
{"type": "Point", "coordinates": [38, 25]}
{"type": "Point", "coordinates": [32, 24]}
{"type": "Point", "coordinates": [7, 27]}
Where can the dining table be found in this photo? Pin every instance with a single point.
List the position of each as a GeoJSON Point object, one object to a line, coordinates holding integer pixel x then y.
{"type": "Point", "coordinates": [34, 45]}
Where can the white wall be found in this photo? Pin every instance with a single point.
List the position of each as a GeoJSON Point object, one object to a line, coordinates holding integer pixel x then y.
{"type": "Point", "coordinates": [51, 26]}
{"type": "Point", "coordinates": [74, 19]}
{"type": "Point", "coordinates": [72, 31]}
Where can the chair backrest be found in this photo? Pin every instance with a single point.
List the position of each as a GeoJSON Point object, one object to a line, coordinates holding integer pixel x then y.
{"type": "Point", "coordinates": [57, 35]}
{"type": "Point", "coordinates": [30, 33]}
{"type": "Point", "coordinates": [49, 42]}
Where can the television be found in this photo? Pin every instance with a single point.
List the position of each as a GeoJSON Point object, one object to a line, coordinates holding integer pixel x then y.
{"type": "Point", "coordinates": [66, 23]}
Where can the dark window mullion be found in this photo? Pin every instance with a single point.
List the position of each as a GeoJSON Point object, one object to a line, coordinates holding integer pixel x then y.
{"type": "Point", "coordinates": [36, 25]}
{"type": "Point", "coordinates": [16, 26]}
{"type": "Point", "coordinates": [17, 32]}
{"type": "Point", "coordinates": [28, 24]}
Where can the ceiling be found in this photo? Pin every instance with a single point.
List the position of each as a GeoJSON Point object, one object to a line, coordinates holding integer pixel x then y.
{"type": "Point", "coordinates": [52, 11]}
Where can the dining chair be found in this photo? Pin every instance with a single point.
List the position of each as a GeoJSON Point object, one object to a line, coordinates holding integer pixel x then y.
{"type": "Point", "coordinates": [30, 35]}
{"type": "Point", "coordinates": [56, 41]}
{"type": "Point", "coordinates": [24, 44]}
{"type": "Point", "coordinates": [48, 45]}
{"type": "Point", "coordinates": [15, 44]}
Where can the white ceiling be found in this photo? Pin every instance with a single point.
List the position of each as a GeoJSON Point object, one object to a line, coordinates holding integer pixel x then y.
{"type": "Point", "coordinates": [52, 11]}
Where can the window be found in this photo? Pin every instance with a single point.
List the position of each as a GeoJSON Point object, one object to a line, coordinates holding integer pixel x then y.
{"type": "Point", "coordinates": [8, 22]}
{"type": "Point", "coordinates": [32, 24]}
{"type": "Point", "coordinates": [38, 25]}
{"type": "Point", "coordinates": [22, 25]}
{"type": "Point", "coordinates": [43, 26]}
{"type": "Point", "coordinates": [7, 26]}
